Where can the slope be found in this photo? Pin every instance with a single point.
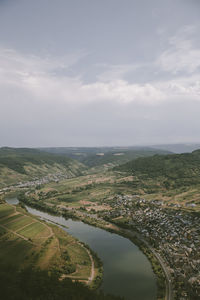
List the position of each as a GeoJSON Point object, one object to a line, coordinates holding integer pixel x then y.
{"type": "Point", "coordinates": [21, 164]}
{"type": "Point", "coordinates": [173, 170]}
{"type": "Point", "coordinates": [105, 156]}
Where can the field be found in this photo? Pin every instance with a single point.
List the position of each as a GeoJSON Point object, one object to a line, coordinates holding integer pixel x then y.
{"type": "Point", "coordinates": [26, 240]}
{"type": "Point", "coordinates": [96, 193]}
{"type": "Point", "coordinates": [6, 210]}
{"type": "Point", "coordinates": [19, 165]}
{"type": "Point", "coordinates": [81, 191]}
{"type": "Point", "coordinates": [130, 195]}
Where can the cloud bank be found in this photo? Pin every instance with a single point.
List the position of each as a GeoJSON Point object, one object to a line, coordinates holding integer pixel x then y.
{"type": "Point", "coordinates": [41, 100]}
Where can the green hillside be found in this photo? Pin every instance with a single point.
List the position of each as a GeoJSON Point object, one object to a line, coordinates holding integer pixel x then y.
{"type": "Point", "coordinates": [173, 170]}
{"type": "Point", "coordinates": [25, 164]}
{"type": "Point", "coordinates": [116, 158]}
{"type": "Point", "coordinates": [19, 164]}
{"type": "Point", "coordinates": [109, 156]}
{"type": "Point", "coordinates": [37, 260]}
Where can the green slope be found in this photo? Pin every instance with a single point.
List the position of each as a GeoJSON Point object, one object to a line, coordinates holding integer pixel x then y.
{"type": "Point", "coordinates": [169, 170]}
{"type": "Point", "coordinates": [19, 164]}
{"type": "Point", "coordinates": [110, 156]}
{"type": "Point", "coordinates": [117, 157]}
{"type": "Point", "coordinates": [33, 259]}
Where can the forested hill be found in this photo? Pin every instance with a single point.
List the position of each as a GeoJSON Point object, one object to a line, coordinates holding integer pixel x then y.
{"type": "Point", "coordinates": [109, 156]}
{"type": "Point", "coordinates": [117, 158]}
{"type": "Point", "coordinates": [23, 163]}
{"type": "Point", "coordinates": [173, 169]}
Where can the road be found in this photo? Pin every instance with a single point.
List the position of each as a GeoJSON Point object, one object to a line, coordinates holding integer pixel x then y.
{"type": "Point", "coordinates": [169, 290]}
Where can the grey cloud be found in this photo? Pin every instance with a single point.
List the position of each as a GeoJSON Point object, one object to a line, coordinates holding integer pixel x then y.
{"type": "Point", "coordinates": [99, 72]}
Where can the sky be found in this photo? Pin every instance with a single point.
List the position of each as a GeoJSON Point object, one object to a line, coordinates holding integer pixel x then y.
{"type": "Point", "coordinates": [99, 72]}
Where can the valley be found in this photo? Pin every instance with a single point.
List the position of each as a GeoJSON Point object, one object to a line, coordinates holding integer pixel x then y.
{"type": "Point", "coordinates": [153, 201]}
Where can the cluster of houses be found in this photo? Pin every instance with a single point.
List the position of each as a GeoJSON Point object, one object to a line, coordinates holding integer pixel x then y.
{"type": "Point", "coordinates": [35, 182]}
{"type": "Point", "coordinates": [174, 233]}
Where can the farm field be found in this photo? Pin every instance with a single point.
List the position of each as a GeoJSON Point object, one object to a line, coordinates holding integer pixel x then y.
{"type": "Point", "coordinates": [26, 240]}
{"type": "Point", "coordinates": [95, 192]}
{"type": "Point", "coordinates": [84, 192]}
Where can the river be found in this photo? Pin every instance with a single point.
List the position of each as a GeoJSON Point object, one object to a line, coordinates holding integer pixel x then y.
{"type": "Point", "coordinates": [127, 271]}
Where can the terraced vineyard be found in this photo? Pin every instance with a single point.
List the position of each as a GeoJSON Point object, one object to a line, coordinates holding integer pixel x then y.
{"type": "Point", "coordinates": [26, 240]}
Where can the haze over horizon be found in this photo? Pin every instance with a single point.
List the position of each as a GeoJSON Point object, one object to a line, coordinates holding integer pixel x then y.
{"type": "Point", "coordinates": [99, 73]}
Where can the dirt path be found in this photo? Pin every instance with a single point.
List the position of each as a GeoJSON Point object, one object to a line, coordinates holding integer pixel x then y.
{"type": "Point", "coordinates": [12, 221]}
{"type": "Point", "coordinates": [50, 229]}
{"type": "Point", "coordinates": [14, 232]}
{"type": "Point", "coordinates": [91, 278]}
{"type": "Point", "coordinates": [92, 272]}
{"type": "Point", "coordinates": [12, 215]}
{"type": "Point", "coordinates": [25, 225]}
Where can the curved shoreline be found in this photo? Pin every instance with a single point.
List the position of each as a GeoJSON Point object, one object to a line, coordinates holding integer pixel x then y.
{"type": "Point", "coordinates": [92, 280]}
{"type": "Point", "coordinates": [132, 236]}
{"type": "Point", "coordinates": [127, 233]}
{"type": "Point", "coordinates": [169, 290]}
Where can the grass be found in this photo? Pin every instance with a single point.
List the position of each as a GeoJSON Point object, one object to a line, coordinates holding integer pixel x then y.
{"type": "Point", "coordinates": [35, 231]}
{"type": "Point", "coordinates": [2, 231]}
{"type": "Point", "coordinates": [49, 254]}
{"type": "Point", "coordinates": [13, 251]}
{"type": "Point", "coordinates": [19, 223]}
{"type": "Point", "coordinates": [44, 245]}
{"type": "Point", "coordinates": [64, 239]}
{"type": "Point", "coordinates": [6, 210]}
{"type": "Point", "coordinates": [101, 189]}
{"type": "Point", "coordinates": [10, 219]}
{"type": "Point", "coordinates": [79, 254]}
{"type": "Point", "coordinates": [70, 192]}
{"type": "Point", "coordinates": [73, 253]}
{"type": "Point", "coordinates": [23, 164]}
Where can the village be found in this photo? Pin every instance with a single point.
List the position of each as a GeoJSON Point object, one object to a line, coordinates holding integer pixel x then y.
{"type": "Point", "coordinates": [56, 177]}
{"type": "Point", "coordinates": [173, 233]}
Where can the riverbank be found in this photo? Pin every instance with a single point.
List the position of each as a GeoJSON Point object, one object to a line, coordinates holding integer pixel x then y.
{"type": "Point", "coordinates": [51, 248]}
{"type": "Point", "coordinates": [108, 226]}
{"type": "Point", "coordinates": [161, 279]}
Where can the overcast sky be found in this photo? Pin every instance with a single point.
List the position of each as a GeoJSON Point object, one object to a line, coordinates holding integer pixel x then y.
{"type": "Point", "coordinates": [99, 72]}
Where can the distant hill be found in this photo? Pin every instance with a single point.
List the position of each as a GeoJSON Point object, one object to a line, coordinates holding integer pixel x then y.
{"type": "Point", "coordinates": [178, 148]}
{"type": "Point", "coordinates": [168, 170]}
{"type": "Point", "coordinates": [19, 164]}
{"type": "Point", "coordinates": [117, 158]}
{"type": "Point", "coordinates": [22, 164]}
{"type": "Point", "coordinates": [109, 156]}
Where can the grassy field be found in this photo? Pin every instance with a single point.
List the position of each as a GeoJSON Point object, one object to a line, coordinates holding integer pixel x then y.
{"type": "Point", "coordinates": [26, 240]}
{"type": "Point", "coordinates": [96, 192]}
{"type": "Point", "coordinates": [19, 223]}
{"type": "Point", "coordinates": [72, 193]}
{"type": "Point", "coordinates": [11, 218]}
{"type": "Point", "coordinates": [6, 210]}
{"type": "Point", "coordinates": [36, 232]}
